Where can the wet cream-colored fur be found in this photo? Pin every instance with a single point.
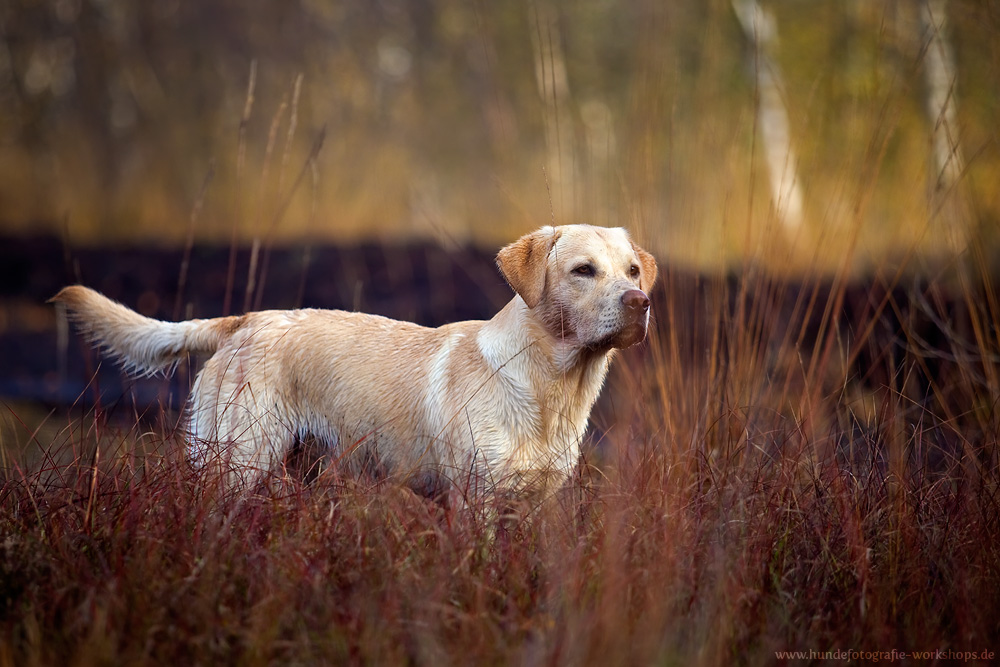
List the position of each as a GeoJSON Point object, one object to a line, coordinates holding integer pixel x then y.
{"type": "Point", "coordinates": [497, 404]}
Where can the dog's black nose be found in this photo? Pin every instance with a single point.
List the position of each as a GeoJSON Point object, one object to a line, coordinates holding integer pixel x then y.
{"type": "Point", "coordinates": [635, 299]}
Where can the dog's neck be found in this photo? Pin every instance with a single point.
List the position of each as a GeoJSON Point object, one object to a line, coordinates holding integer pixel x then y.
{"type": "Point", "coordinates": [561, 376]}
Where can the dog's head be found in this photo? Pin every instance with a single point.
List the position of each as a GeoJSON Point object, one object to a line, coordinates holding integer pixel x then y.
{"type": "Point", "coordinates": [589, 285]}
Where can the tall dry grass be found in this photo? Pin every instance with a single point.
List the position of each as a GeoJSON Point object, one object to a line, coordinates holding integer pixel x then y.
{"type": "Point", "coordinates": [783, 466]}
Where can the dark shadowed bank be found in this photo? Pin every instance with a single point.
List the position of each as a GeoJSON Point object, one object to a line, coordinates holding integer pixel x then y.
{"type": "Point", "coordinates": [783, 466]}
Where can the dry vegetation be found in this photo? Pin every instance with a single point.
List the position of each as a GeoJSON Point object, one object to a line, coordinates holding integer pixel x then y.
{"type": "Point", "coordinates": [768, 479]}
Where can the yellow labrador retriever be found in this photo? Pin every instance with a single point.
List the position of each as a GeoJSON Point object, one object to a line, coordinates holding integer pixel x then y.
{"type": "Point", "coordinates": [501, 404]}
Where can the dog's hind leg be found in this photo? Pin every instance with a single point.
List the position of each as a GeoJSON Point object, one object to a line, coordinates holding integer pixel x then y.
{"type": "Point", "coordinates": [236, 430]}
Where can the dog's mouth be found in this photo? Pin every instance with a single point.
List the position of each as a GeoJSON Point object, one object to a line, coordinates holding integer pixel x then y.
{"type": "Point", "coordinates": [630, 328]}
{"type": "Point", "coordinates": [632, 333]}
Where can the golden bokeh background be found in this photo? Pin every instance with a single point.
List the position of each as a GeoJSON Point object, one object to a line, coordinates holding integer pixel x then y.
{"type": "Point", "coordinates": [469, 121]}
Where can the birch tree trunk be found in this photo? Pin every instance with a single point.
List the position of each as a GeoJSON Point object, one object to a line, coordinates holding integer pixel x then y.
{"type": "Point", "coordinates": [772, 116]}
{"type": "Point", "coordinates": [941, 76]}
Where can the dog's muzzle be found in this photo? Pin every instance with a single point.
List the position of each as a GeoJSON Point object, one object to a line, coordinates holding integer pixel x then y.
{"type": "Point", "coordinates": [635, 307]}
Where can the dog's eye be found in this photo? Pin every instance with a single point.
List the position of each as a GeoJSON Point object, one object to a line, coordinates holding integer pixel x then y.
{"type": "Point", "coordinates": [634, 271]}
{"type": "Point", "coordinates": [584, 270]}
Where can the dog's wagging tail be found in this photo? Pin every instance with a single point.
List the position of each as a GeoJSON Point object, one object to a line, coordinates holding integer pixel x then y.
{"type": "Point", "coordinates": [500, 404]}
{"type": "Point", "coordinates": [140, 343]}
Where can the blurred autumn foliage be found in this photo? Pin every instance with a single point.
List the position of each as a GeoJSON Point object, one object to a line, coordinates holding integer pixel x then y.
{"type": "Point", "coordinates": [470, 120]}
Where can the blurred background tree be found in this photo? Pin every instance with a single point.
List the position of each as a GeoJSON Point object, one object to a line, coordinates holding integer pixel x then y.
{"type": "Point", "coordinates": [471, 121]}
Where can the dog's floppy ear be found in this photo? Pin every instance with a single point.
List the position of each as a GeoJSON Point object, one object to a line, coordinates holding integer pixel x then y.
{"type": "Point", "coordinates": [523, 262]}
{"type": "Point", "coordinates": [648, 263]}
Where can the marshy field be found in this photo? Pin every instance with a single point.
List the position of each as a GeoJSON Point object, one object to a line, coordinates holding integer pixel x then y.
{"type": "Point", "coordinates": [800, 465]}
{"type": "Point", "coordinates": [782, 466]}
